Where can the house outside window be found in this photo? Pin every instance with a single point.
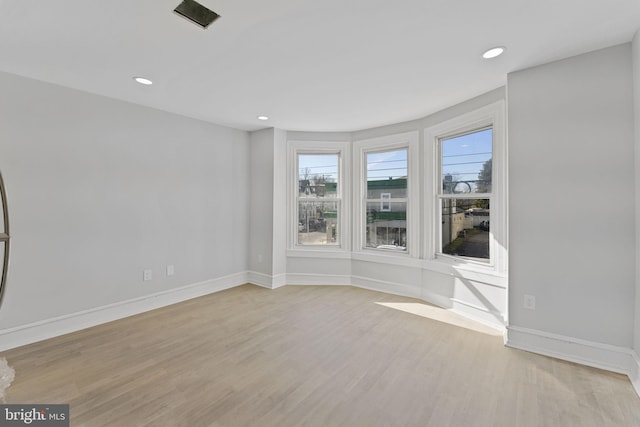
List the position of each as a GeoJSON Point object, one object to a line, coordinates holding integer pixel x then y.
{"type": "Point", "coordinates": [317, 217]}
{"type": "Point", "coordinates": [318, 201]}
{"type": "Point", "coordinates": [386, 224]}
{"type": "Point", "coordinates": [386, 194]}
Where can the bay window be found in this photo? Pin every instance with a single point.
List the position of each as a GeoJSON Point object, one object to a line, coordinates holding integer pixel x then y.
{"type": "Point", "coordinates": [465, 202]}
{"type": "Point", "coordinates": [317, 184]}
{"type": "Point", "coordinates": [386, 194]}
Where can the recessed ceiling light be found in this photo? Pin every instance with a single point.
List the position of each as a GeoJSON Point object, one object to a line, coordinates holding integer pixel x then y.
{"type": "Point", "coordinates": [263, 118]}
{"type": "Point", "coordinates": [143, 80]}
{"type": "Point", "coordinates": [493, 52]}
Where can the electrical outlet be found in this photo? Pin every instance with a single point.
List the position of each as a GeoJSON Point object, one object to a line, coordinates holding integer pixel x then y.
{"type": "Point", "coordinates": [529, 302]}
{"type": "Point", "coordinates": [170, 270]}
{"type": "Point", "coordinates": [259, 258]}
{"type": "Point", "coordinates": [146, 275]}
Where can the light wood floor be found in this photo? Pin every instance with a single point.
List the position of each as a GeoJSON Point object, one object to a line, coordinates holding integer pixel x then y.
{"type": "Point", "coordinates": [310, 356]}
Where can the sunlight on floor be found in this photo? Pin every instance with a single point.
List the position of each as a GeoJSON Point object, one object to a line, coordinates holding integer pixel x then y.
{"type": "Point", "coordinates": [441, 315]}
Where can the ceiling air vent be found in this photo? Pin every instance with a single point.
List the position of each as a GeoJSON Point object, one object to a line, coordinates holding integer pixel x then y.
{"type": "Point", "coordinates": [196, 13]}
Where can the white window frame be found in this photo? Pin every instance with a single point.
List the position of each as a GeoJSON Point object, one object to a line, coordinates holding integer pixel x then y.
{"type": "Point", "coordinates": [492, 115]}
{"type": "Point", "coordinates": [340, 148]}
{"type": "Point", "coordinates": [408, 141]}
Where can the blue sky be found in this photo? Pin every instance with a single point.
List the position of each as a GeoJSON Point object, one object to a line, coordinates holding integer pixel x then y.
{"type": "Point", "coordinates": [379, 165]}
{"type": "Point", "coordinates": [463, 156]}
{"type": "Point", "coordinates": [318, 164]}
{"type": "Point", "coordinates": [388, 164]}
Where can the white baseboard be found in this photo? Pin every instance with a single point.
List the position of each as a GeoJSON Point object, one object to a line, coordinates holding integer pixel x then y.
{"type": "Point", "coordinates": [436, 299]}
{"type": "Point", "coordinates": [597, 355]}
{"type": "Point", "coordinates": [260, 279]}
{"type": "Point", "coordinates": [477, 313]}
{"type": "Point", "coordinates": [634, 375]}
{"type": "Point", "coordinates": [385, 286]}
{"type": "Point", "coordinates": [278, 280]}
{"type": "Point", "coordinates": [266, 280]}
{"type": "Point", "coordinates": [49, 328]}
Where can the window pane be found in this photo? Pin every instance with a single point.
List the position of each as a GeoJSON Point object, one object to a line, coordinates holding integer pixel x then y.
{"type": "Point", "coordinates": [386, 229]}
{"type": "Point", "coordinates": [465, 228]}
{"type": "Point", "coordinates": [318, 223]}
{"type": "Point", "coordinates": [318, 175]}
{"type": "Point", "coordinates": [387, 173]}
{"type": "Point", "coordinates": [466, 163]}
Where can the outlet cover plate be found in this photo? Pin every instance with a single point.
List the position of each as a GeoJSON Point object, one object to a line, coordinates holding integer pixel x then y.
{"type": "Point", "coordinates": [529, 302]}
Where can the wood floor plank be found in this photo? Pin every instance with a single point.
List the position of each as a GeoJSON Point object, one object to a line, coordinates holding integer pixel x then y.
{"type": "Point", "coordinates": [310, 356]}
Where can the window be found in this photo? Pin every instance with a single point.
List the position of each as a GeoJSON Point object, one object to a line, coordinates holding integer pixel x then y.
{"type": "Point", "coordinates": [465, 194]}
{"type": "Point", "coordinates": [318, 199]}
{"type": "Point", "coordinates": [317, 213]}
{"type": "Point", "coordinates": [386, 225]}
{"type": "Point", "coordinates": [387, 168]}
{"type": "Point", "coordinates": [465, 203]}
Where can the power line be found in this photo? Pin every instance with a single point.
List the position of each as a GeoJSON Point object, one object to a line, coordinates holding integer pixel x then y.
{"type": "Point", "coordinates": [466, 163]}
{"type": "Point", "coordinates": [335, 166]}
{"type": "Point", "coordinates": [461, 173]}
{"type": "Point", "coordinates": [388, 161]}
{"type": "Point", "coordinates": [386, 169]}
{"type": "Point", "coordinates": [462, 155]}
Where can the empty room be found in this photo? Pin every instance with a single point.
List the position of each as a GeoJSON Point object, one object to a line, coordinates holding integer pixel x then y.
{"type": "Point", "coordinates": [303, 213]}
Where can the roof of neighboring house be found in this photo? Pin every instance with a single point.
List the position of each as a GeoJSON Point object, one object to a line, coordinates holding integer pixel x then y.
{"type": "Point", "coordinates": [387, 184]}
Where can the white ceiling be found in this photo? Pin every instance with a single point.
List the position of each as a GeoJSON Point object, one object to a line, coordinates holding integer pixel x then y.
{"type": "Point", "coordinates": [315, 65]}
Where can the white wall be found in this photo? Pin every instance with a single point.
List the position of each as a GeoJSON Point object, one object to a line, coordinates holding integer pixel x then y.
{"type": "Point", "coordinates": [261, 218]}
{"type": "Point", "coordinates": [571, 207]}
{"type": "Point", "coordinates": [279, 206]}
{"type": "Point", "coordinates": [636, 121]}
{"type": "Point", "coordinates": [268, 263]}
{"type": "Point", "coordinates": [100, 189]}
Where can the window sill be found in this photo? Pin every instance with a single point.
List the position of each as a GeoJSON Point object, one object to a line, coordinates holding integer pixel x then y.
{"type": "Point", "coordinates": [319, 252]}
